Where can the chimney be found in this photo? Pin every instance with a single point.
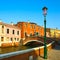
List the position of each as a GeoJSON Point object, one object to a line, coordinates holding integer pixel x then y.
{"type": "Point", "coordinates": [12, 23]}
{"type": "Point", "coordinates": [0, 20]}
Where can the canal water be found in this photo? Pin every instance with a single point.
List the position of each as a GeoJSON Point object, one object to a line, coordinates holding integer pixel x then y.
{"type": "Point", "coordinates": [19, 48]}
{"type": "Point", "coordinates": [12, 49]}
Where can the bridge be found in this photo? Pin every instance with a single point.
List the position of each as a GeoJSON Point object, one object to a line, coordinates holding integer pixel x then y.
{"type": "Point", "coordinates": [29, 54]}
{"type": "Point", "coordinates": [35, 39]}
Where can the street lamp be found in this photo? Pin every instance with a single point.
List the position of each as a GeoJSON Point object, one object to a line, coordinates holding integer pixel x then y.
{"type": "Point", "coordinates": [45, 45]}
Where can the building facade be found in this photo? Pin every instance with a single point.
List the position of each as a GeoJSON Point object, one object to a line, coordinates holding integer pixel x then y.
{"type": "Point", "coordinates": [13, 34]}
{"type": "Point", "coordinates": [29, 29]}
{"type": "Point", "coordinates": [53, 33]}
{"type": "Point", "coordinates": [10, 35]}
{"type": "Point", "coordinates": [48, 32]}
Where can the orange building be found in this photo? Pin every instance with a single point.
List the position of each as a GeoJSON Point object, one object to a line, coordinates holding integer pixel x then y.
{"type": "Point", "coordinates": [30, 29]}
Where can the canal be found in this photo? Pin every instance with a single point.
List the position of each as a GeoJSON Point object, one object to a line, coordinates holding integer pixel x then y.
{"type": "Point", "coordinates": [19, 48]}
{"type": "Point", "coordinates": [12, 49]}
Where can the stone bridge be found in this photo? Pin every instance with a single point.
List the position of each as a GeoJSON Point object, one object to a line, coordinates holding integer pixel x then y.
{"type": "Point", "coordinates": [29, 54]}
{"type": "Point", "coordinates": [37, 39]}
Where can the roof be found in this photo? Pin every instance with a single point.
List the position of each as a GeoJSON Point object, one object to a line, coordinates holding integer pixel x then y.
{"type": "Point", "coordinates": [33, 23]}
{"type": "Point", "coordinates": [9, 25]}
{"type": "Point", "coordinates": [28, 22]}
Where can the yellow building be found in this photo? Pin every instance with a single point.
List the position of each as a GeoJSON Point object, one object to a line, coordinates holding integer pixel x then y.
{"type": "Point", "coordinates": [53, 33]}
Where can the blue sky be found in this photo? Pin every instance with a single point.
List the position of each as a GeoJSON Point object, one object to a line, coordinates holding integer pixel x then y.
{"type": "Point", "coordinates": [30, 10]}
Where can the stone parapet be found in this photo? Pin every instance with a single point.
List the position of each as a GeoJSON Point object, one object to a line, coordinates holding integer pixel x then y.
{"type": "Point", "coordinates": [29, 54]}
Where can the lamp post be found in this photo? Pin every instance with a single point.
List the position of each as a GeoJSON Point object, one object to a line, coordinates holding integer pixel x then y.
{"type": "Point", "coordinates": [45, 46]}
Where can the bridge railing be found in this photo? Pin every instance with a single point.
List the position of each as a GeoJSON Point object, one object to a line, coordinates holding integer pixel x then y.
{"type": "Point", "coordinates": [29, 54]}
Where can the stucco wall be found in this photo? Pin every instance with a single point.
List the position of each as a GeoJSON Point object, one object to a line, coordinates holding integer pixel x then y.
{"type": "Point", "coordinates": [7, 42]}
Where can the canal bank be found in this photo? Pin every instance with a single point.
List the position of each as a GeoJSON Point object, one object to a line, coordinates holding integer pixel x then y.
{"type": "Point", "coordinates": [28, 54]}
{"type": "Point", "coordinates": [4, 50]}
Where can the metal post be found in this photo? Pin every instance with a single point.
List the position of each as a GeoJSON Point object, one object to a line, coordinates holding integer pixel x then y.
{"type": "Point", "coordinates": [45, 46]}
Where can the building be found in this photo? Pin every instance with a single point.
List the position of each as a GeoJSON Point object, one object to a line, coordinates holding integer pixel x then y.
{"type": "Point", "coordinates": [48, 33]}
{"type": "Point", "coordinates": [10, 35]}
{"type": "Point", "coordinates": [13, 34]}
{"type": "Point", "coordinates": [53, 33]}
{"type": "Point", "coordinates": [29, 29]}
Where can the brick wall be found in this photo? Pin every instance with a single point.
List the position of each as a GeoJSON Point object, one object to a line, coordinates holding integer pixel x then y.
{"type": "Point", "coordinates": [30, 29]}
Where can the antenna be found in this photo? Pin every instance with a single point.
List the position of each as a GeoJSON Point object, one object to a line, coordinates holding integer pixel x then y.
{"type": "Point", "coordinates": [12, 23]}
{"type": "Point", "coordinates": [28, 21]}
{"type": "Point", "coordinates": [0, 20]}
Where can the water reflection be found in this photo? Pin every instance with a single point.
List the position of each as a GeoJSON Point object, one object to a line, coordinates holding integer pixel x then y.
{"type": "Point", "coordinates": [12, 49]}
{"type": "Point", "coordinates": [19, 48]}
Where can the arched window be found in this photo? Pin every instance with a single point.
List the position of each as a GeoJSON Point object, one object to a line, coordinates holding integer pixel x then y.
{"type": "Point", "coordinates": [7, 31]}
{"type": "Point", "coordinates": [13, 31]}
{"type": "Point", "coordinates": [11, 39]}
{"type": "Point", "coordinates": [2, 29]}
{"type": "Point", "coordinates": [2, 38]}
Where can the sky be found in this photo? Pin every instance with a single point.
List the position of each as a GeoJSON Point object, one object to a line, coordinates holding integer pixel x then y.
{"type": "Point", "coordinates": [30, 11]}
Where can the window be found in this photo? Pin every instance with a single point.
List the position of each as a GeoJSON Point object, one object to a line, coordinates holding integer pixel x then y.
{"type": "Point", "coordinates": [17, 32]}
{"type": "Point", "coordinates": [2, 26]}
{"type": "Point", "coordinates": [2, 29]}
{"type": "Point", "coordinates": [11, 39]}
{"type": "Point", "coordinates": [13, 31]}
{"type": "Point", "coordinates": [25, 34]}
{"type": "Point", "coordinates": [17, 39]}
{"type": "Point", "coordinates": [2, 38]}
{"type": "Point", "coordinates": [8, 31]}
{"type": "Point", "coordinates": [7, 38]}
